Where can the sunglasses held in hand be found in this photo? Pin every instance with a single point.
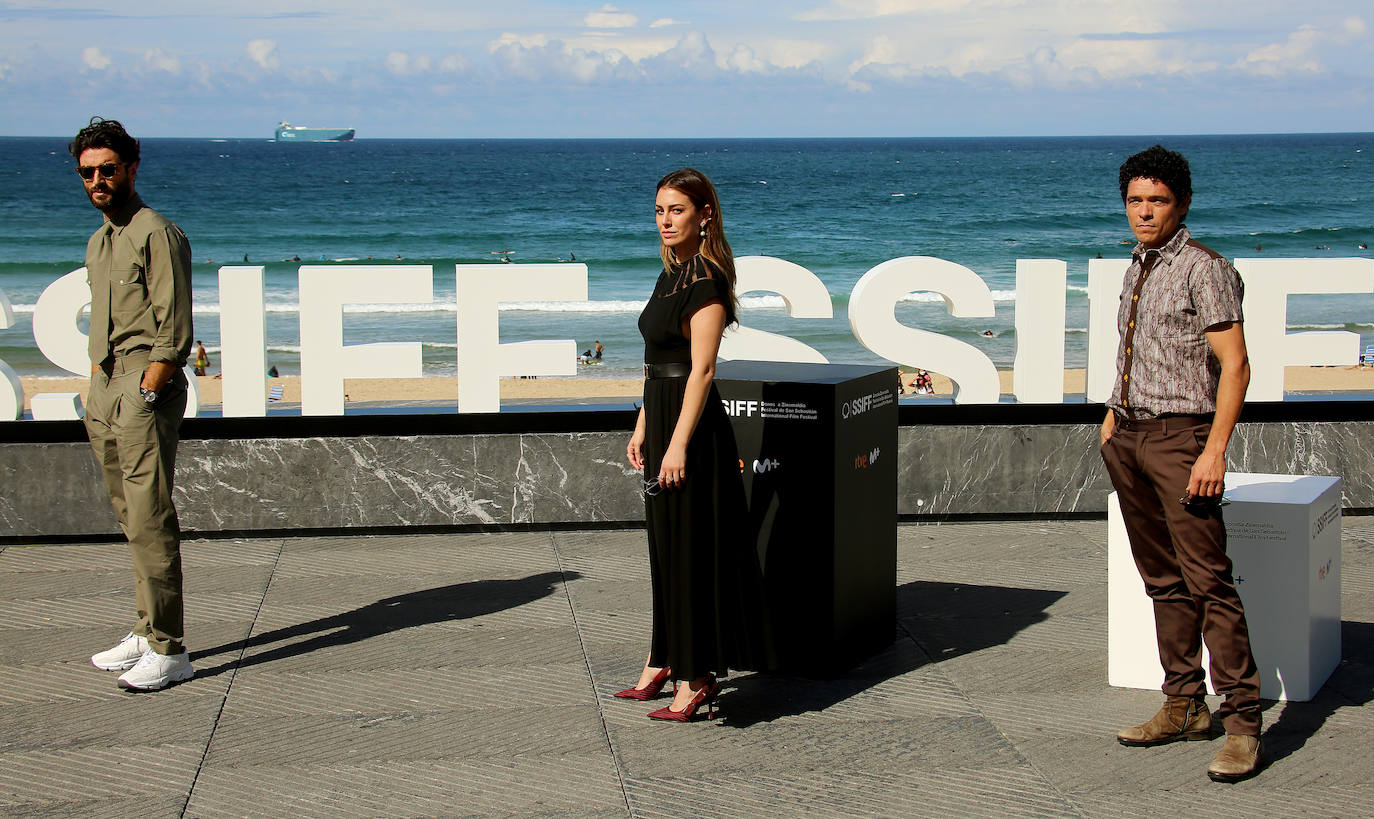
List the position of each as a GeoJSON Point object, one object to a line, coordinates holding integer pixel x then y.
{"type": "Point", "coordinates": [1198, 500]}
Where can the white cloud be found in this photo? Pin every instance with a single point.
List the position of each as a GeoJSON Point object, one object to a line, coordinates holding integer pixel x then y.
{"type": "Point", "coordinates": [611, 17]}
{"type": "Point", "coordinates": [941, 53]}
{"type": "Point", "coordinates": [522, 40]}
{"type": "Point", "coordinates": [162, 61]}
{"type": "Point", "coordinates": [454, 63]}
{"type": "Point", "coordinates": [1060, 44]}
{"type": "Point", "coordinates": [881, 51]}
{"type": "Point", "coordinates": [691, 52]}
{"type": "Point", "coordinates": [538, 59]}
{"type": "Point", "coordinates": [795, 53]}
{"type": "Point", "coordinates": [745, 61]}
{"type": "Point", "coordinates": [95, 59]}
{"type": "Point", "coordinates": [868, 9]}
{"type": "Point", "coordinates": [397, 62]}
{"type": "Point", "coordinates": [1301, 52]}
{"type": "Point", "coordinates": [631, 48]}
{"type": "Point", "coordinates": [264, 53]}
{"type": "Point", "coordinates": [402, 64]}
{"type": "Point", "coordinates": [592, 60]}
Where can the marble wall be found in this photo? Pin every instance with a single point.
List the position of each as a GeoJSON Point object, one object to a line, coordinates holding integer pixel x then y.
{"type": "Point", "coordinates": [52, 490]}
{"type": "Point", "coordinates": [1056, 469]}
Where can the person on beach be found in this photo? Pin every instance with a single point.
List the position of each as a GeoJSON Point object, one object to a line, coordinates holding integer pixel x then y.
{"type": "Point", "coordinates": [202, 359]}
{"type": "Point", "coordinates": [683, 444]}
{"type": "Point", "coordinates": [138, 265]}
{"type": "Point", "coordinates": [1182, 372]}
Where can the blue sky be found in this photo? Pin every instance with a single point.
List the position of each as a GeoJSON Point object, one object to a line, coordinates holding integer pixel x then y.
{"type": "Point", "coordinates": [516, 68]}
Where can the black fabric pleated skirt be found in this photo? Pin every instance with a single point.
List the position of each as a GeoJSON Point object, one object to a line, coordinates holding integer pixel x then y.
{"type": "Point", "coordinates": [707, 594]}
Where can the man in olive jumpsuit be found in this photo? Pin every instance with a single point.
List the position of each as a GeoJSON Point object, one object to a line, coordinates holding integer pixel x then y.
{"type": "Point", "coordinates": [139, 267]}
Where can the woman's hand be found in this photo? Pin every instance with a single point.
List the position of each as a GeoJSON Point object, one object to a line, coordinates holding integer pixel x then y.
{"type": "Point", "coordinates": [634, 451]}
{"type": "Point", "coordinates": [673, 471]}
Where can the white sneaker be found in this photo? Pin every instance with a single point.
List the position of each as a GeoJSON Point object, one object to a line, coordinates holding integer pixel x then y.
{"type": "Point", "coordinates": [156, 671]}
{"type": "Point", "coordinates": [123, 656]}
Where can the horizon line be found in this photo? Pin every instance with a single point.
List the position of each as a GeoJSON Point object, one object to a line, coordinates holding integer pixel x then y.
{"type": "Point", "coordinates": [750, 138]}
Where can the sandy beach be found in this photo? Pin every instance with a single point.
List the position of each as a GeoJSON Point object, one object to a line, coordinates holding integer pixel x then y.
{"type": "Point", "coordinates": [554, 389]}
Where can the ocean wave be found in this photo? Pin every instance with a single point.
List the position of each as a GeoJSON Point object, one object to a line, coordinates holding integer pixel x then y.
{"type": "Point", "coordinates": [620, 306]}
{"type": "Point", "coordinates": [1358, 326]}
{"type": "Point", "coordinates": [928, 296]}
{"type": "Point", "coordinates": [296, 348]}
{"type": "Point", "coordinates": [634, 307]}
{"type": "Point", "coordinates": [631, 306]}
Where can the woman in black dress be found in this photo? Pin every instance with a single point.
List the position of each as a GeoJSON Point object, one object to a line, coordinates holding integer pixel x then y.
{"type": "Point", "coordinates": [694, 496]}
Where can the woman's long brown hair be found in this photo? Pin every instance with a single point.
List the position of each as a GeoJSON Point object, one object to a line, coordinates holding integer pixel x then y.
{"type": "Point", "coordinates": [714, 247]}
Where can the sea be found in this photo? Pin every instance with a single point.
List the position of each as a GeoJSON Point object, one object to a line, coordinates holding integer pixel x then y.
{"type": "Point", "coordinates": [837, 207]}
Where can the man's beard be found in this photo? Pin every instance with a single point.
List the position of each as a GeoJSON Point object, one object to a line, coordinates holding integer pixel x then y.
{"type": "Point", "coordinates": [119, 195]}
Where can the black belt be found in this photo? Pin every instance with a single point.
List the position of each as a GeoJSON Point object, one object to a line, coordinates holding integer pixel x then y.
{"type": "Point", "coordinates": [1162, 423]}
{"type": "Point", "coordinates": [672, 370]}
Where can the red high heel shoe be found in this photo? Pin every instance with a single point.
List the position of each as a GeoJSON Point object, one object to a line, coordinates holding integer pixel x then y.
{"type": "Point", "coordinates": [705, 696]}
{"type": "Point", "coordinates": [649, 691]}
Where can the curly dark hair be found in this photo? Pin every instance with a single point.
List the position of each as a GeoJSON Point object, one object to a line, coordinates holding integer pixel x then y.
{"type": "Point", "coordinates": [1161, 164]}
{"type": "Point", "coordinates": [105, 133]}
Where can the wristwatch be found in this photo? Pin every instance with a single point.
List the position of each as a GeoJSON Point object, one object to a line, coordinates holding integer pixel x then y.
{"type": "Point", "coordinates": [149, 396]}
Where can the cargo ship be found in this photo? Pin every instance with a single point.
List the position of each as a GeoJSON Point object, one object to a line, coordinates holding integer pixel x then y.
{"type": "Point", "coordinates": [286, 132]}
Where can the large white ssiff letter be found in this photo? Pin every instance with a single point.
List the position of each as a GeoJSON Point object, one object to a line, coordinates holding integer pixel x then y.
{"type": "Point", "coordinates": [57, 332]}
{"type": "Point", "coordinates": [805, 296]}
{"type": "Point", "coordinates": [873, 319]}
{"type": "Point", "coordinates": [242, 340]}
{"type": "Point", "coordinates": [482, 358]}
{"type": "Point", "coordinates": [1268, 284]}
{"type": "Point", "coordinates": [325, 360]}
{"type": "Point", "coordinates": [11, 390]}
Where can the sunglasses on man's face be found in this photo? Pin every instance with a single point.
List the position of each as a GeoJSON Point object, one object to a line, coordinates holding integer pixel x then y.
{"type": "Point", "coordinates": [106, 171]}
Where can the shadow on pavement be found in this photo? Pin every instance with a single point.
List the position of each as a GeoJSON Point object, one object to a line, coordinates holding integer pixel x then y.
{"type": "Point", "coordinates": [1351, 685]}
{"type": "Point", "coordinates": [936, 622]}
{"type": "Point", "coordinates": [456, 602]}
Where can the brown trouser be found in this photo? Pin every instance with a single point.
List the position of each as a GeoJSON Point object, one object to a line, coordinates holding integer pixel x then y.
{"type": "Point", "coordinates": [1181, 554]}
{"type": "Point", "coordinates": [136, 446]}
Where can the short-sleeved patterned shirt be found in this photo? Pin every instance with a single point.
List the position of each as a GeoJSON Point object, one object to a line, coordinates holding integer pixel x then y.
{"type": "Point", "coordinates": [1164, 363]}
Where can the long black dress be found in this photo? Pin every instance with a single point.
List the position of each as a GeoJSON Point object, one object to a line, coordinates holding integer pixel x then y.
{"type": "Point", "coordinates": [697, 537]}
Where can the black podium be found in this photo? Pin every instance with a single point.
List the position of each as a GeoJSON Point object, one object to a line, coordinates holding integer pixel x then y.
{"type": "Point", "coordinates": [818, 449]}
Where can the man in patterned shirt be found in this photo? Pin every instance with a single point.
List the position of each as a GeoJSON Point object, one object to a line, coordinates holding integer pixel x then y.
{"type": "Point", "coordinates": [1182, 372]}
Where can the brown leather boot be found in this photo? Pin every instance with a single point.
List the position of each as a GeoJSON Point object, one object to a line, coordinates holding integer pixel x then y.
{"type": "Point", "coordinates": [1240, 758]}
{"type": "Point", "coordinates": [1181, 718]}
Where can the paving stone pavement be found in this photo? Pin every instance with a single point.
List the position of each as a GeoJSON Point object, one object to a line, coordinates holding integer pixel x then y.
{"type": "Point", "coordinates": [471, 674]}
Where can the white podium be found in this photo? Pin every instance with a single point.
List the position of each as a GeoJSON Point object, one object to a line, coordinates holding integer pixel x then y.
{"type": "Point", "coordinates": [1284, 538]}
{"type": "Point", "coordinates": [57, 406]}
